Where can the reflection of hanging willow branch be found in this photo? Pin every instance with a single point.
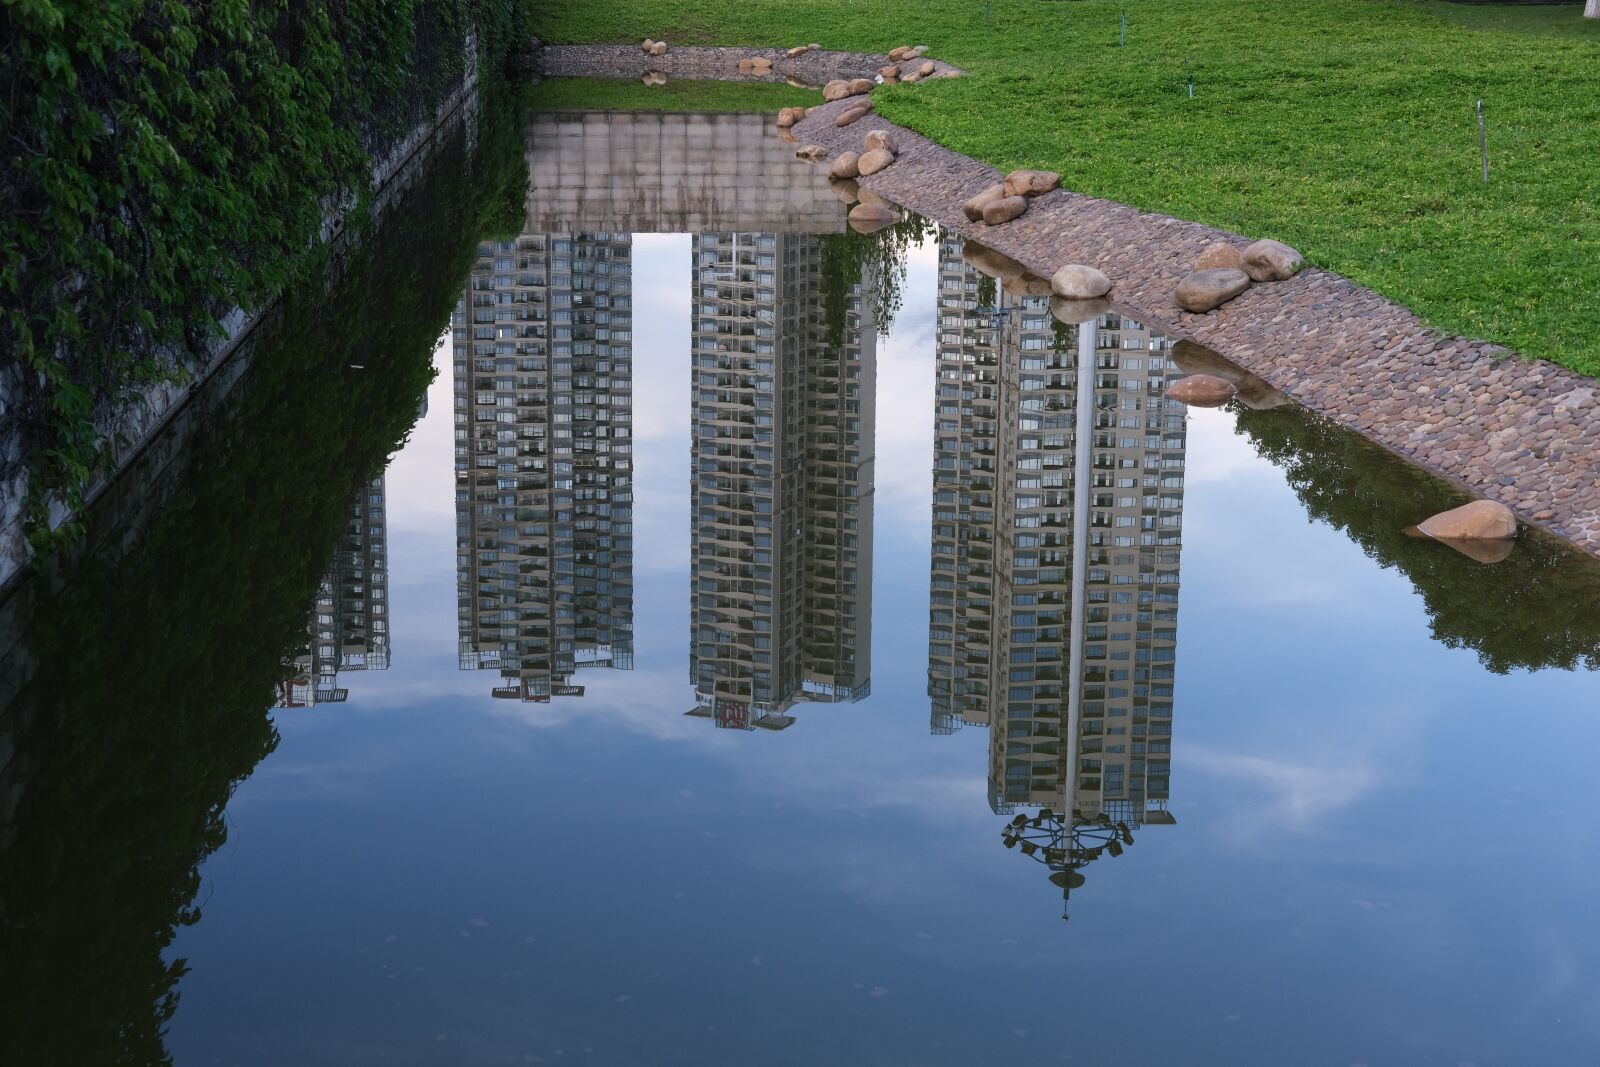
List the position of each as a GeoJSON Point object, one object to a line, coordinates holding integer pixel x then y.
{"type": "Point", "coordinates": [1063, 335]}
{"type": "Point", "coordinates": [875, 260]}
{"type": "Point", "coordinates": [986, 290]}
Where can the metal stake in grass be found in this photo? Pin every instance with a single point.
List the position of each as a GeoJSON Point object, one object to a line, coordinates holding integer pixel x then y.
{"type": "Point", "coordinates": [1124, 29]}
{"type": "Point", "coordinates": [1191, 78]}
{"type": "Point", "coordinates": [1483, 143]}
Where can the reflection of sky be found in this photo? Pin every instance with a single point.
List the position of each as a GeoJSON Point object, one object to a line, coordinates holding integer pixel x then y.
{"type": "Point", "coordinates": [1383, 854]}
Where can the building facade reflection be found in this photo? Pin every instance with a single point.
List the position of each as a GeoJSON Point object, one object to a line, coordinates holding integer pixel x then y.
{"type": "Point", "coordinates": [349, 627]}
{"type": "Point", "coordinates": [781, 481]}
{"type": "Point", "coordinates": [543, 390]}
{"type": "Point", "coordinates": [1079, 710]}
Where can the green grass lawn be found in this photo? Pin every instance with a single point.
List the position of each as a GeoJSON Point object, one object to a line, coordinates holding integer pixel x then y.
{"type": "Point", "coordinates": [1344, 127]}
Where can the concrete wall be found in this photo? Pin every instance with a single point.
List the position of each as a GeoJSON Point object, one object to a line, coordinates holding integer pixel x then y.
{"type": "Point", "coordinates": [666, 173]}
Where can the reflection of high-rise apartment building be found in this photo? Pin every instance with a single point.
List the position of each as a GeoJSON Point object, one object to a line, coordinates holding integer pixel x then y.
{"type": "Point", "coordinates": [543, 375]}
{"type": "Point", "coordinates": [349, 629]}
{"type": "Point", "coordinates": [1001, 635]}
{"type": "Point", "coordinates": [781, 481]}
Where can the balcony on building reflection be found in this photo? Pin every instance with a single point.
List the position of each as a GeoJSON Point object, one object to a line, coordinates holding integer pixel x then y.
{"type": "Point", "coordinates": [782, 479]}
{"type": "Point", "coordinates": [543, 392]}
{"type": "Point", "coordinates": [1080, 722]}
{"type": "Point", "coordinates": [349, 626]}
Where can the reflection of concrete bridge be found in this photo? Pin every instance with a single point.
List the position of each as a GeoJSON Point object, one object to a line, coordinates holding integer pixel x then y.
{"type": "Point", "coordinates": [663, 173]}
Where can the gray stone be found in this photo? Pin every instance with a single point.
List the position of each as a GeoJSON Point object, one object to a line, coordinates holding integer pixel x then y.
{"type": "Point", "coordinates": [973, 208]}
{"type": "Point", "coordinates": [1205, 290]}
{"type": "Point", "coordinates": [1001, 211]}
{"type": "Point", "coordinates": [1219, 254]}
{"type": "Point", "coordinates": [1270, 261]}
{"type": "Point", "coordinates": [874, 161]}
{"type": "Point", "coordinates": [1031, 182]}
{"type": "Point", "coordinates": [845, 165]}
{"type": "Point", "coordinates": [1078, 282]}
{"type": "Point", "coordinates": [1481, 520]}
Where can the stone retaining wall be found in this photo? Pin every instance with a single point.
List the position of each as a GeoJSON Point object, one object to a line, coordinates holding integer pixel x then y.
{"type": "Point", "coordinates": [671, 173]}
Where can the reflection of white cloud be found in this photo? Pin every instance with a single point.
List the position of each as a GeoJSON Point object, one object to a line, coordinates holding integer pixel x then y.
{"type": "Point", "coordinates": [1218, 452]}
{"type": "Point", "coordinates": [907, 366]}
{"type": "Point", "coordinates": [1338, 761]}
{"type": "Point", "coordinates": [1300, 794]}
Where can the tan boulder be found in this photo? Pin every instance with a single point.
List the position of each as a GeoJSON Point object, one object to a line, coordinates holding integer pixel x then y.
{"type": "Point", "coordinates": [874, 161]}
{"type": "Point", "coordinates": [797, 50]}
{"type": "Point", "coordinates": [1202, 390]}
{"type": "Point", "coordinates": [1205, 290]}
{"type": "Point", "coordinates": [897, 54]}
{"type": "Point", "coordinates": [761, 65]}
{"type": "Point", "coordinates": [868, 218]}
{"type": "Point", "coordinates": [973, 208]}
{"type": "Point", "coordinates": [746, 66]}
{"type": "Point", "coordinates": [1481, 520]}
{"type": "Point", "coordinates": [837, 89]}
{"type": "Point", "coordinates": [813, 46]}
{"type": "Point", "coordinates": [891, 71]}
{"type": "Point", "coordinates": [847, 190]}
{"type": "Point", "coordinates": [1031, 182]}
{"type": "Point", "coordinates": [659, 48]}
{"type": "Point", "coordinates": [912, 77]}
{"type": "Point", "coordinates": [1219, 254]}
{"type": "Point", "coordinates": [1270, 261]}
{"type": "Point", "coordinates": [787, 138]}
{"type": "Point", "coordinates": [867, 196]}
{"type": "Point", "coordinates": [845, 165]}
{"type": "Point", "coordinates": [813, 153]}
{"type": "Point", "coordinates": [880, 139]}
{"type": "Point", "coordinates": [1001, 211]}
{"type": "Point", "coordinates": [927, 68]}
{"type": "Point", "coordinates": [860, 85]}
{"type": "Point", "coordinates": [789, 116]}
{"type": "Point", "coordinates": [849, 115]}
{"type": "Point", "coordinates": [647, 44]}
{"type": "Point", "coordinates": [1075, 281]}
{"type": "Point", "coordinates": [1075, 312]}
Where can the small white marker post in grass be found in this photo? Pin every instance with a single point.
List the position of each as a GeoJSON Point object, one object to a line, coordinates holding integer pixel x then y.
{"type": "Point", "coordinates": [1483, 143]}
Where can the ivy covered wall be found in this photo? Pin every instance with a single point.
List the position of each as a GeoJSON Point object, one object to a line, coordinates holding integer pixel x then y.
{"type": "Point", "coordinates": [167, 161]}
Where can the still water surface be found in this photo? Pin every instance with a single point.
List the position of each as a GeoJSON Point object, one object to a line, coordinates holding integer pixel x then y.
{"type": "Point", "coordinates": [1357, 768]}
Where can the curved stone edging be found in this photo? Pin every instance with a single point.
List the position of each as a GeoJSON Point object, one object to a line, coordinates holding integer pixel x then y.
{"type": "Point", "coordinates": [1522, 432]}
{"type": "Point", "coordinates": [710, 63]}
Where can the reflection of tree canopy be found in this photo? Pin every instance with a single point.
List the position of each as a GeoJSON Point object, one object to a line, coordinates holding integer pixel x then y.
{"type": "Point", "coordinates": [1536, 609]}
{"type": "Point", "coordinates": [155, 664]}
{"type": "Point", "coordinates": [878, 260]}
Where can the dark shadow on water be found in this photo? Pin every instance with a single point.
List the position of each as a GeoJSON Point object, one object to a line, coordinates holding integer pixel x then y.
{"type": "Point", "coordinates": [1536, 609]}
{"type": "Point", "coordinates": [146, 667]}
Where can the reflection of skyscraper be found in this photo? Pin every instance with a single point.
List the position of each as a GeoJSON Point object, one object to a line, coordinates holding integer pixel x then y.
{"type": "Point", "coordinates": [543, 360]}
{"type": "Point", "coordinates": [1007, 468]}
{"type": "Point", "coordinates": [349, 629]}
{"type": "Point", "coordinates": [782, 479]}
